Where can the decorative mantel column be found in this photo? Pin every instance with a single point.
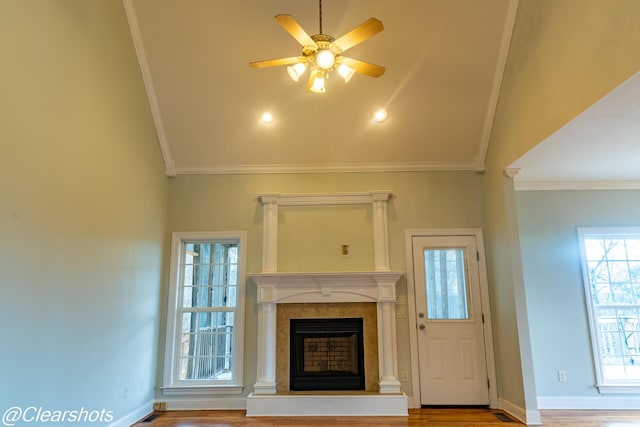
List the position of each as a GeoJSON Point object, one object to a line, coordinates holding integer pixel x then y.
{"type": "Point", "coordinates": [269, 232]}
{"type": "Point", "coordinates": [387, 342]}
{"type": "Point", "coordinates": [380, 233]}
{"type": "Point", "coordinates": [266, 367]}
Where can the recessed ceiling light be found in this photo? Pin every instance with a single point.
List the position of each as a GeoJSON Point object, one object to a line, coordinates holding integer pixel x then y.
{"type": "Point", "coordinates": [380, 115]}
{"type": "Point", "coordinates": [267, 117]}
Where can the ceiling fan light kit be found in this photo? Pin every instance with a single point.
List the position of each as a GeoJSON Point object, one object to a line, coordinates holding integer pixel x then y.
{"type": "Point", "coordinates": [323, 53]}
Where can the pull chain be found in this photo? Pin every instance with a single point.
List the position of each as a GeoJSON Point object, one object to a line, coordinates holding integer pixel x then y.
{"type": "Point", "coordinates": [320, 7]}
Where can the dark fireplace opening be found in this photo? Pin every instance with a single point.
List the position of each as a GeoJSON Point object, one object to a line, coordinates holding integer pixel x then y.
{"type": "Point", "coordinates": [327, 354]}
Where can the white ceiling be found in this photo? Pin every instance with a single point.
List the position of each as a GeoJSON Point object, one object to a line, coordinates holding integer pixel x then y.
{"type": "Point", "coordinates": [444, 61]}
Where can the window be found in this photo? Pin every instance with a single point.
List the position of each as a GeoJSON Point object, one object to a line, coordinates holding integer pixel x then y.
{"type": "Point", "coordinates": [611, 265]}
{"type": "Point", "coordinates": [205, 315]}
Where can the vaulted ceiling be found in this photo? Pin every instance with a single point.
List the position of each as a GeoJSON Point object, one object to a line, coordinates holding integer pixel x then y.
{"type": "Point", "coordinates": [444, 61]}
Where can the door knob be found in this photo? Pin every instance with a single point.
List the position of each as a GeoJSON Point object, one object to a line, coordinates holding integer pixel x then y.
{"type": "Point", "coordinates": [421, 326]}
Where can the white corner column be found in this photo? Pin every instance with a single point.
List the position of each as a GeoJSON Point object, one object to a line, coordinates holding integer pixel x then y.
{"type": "Point", "coordinates": [380, 232]}
{"type": "Point", "coordinates": [387, 342]}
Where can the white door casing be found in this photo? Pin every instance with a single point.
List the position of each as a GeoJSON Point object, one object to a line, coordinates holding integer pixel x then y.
{"type": "Point", "coordinates": [452, 352]}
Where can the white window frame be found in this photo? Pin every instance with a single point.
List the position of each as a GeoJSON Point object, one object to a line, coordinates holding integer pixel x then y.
{"type": "Point", "coordinates": [603, 385]}
{"type": "Point", "coordinates": [172, 385]}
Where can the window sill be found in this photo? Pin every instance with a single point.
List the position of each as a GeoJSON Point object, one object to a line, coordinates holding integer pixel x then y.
{"type": "Point", "coordinates": [202, 390]}
{"type": "Point", "coordinates": [618, 388]}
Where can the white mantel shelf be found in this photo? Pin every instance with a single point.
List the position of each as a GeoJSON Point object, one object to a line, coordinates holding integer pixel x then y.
{"type": "Point", "coordinates": [326, 287]}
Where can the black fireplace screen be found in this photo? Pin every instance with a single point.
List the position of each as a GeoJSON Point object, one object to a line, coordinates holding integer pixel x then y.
{"type": "Point", "coordinates": [327, 354]}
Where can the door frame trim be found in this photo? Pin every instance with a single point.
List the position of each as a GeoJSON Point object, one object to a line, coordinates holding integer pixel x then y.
{"type": "Point", "coordinates": [484, 298]}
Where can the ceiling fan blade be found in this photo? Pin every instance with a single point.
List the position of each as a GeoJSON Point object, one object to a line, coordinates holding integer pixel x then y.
{"type": "Point", "coordinates": [276, 62]}
{"type": "Point", "coordinates": [362, 32]}
{"type": "Point", "coordinates": [364, 67]}
{"type": "Point", "coordinates": [293, 28]}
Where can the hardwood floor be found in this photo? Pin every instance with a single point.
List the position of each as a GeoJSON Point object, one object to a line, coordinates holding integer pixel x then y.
{"type": "Point", "coordinates": [591, 418]}
{"type": "Point", "coordinates": [417, 417]}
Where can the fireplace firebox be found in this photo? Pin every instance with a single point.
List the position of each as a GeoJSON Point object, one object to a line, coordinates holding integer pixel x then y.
{"type": "Point", "coordinates": [327, 354]}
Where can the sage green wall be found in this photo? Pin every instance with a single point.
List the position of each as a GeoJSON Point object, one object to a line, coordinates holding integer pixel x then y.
{"type": "Point", "coordinates": [228, 202]}
{"type": "Point", "coordinates": [310, 238]}
{"type": "Point", "coordinates": [558, 320]}
{"type": "Point", "coordinates": [82, 211]}
{"type": "Point", "coordinates": [564, 56]}
{"type": "Point", "coordinates": [510, 329]}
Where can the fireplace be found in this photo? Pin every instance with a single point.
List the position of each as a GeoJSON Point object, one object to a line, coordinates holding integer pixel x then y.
{"type": "Point", "coordinates": [285, 296]}
{"type": "Point", "coordinates": [327, 354]}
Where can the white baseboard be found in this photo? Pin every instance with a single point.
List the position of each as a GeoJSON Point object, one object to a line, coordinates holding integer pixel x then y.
{"type": "Point", "coordinates": [589, 402]}
{"type": "Point", "coordinates": [410, 403]}
{"type": "Point", "coordinates": [133, 416]}
{"type": "Point", "coordinates": [528, 417]}
{"type": "Point", "coordinates": [210, 403]}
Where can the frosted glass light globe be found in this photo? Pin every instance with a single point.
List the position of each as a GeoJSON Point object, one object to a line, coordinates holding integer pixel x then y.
{"type": "Point", "coordinates": [325, 59]}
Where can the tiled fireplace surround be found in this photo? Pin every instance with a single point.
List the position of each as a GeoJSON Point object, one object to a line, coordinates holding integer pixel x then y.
{"type": "Point", "coordinates": [285, 295]}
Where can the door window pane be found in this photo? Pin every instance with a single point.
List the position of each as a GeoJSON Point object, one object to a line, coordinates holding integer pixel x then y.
{"type": "Point", "coordinates": [446, 284]}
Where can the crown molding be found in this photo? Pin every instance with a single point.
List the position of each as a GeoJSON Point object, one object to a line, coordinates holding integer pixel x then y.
{"type": "Point", "coordinates": [576, 185]}
{"type": "Point", "coordinates": [492, 106]}
{"type": "Point", "coordinates": [329, 168]}
{"type": "Point", "coordinates": [134, 28]}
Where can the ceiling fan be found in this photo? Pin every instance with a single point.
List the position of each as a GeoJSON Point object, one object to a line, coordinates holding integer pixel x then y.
{"type": "Point", "coordinates": [323, 53]}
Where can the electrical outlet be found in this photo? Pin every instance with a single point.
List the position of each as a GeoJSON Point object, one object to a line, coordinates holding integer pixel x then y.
{"type": "Point", "coordinates": [562, 376]}
{"type": "Point", "coordinates": [159, 406]}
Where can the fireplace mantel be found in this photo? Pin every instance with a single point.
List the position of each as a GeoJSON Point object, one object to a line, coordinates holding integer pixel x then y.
{"type": "Point", "coordinates": [325, 287]}
{"type": "Point", "coordinates": [378, 286]}
{"type": "Point", "coordinates": [282, 288]}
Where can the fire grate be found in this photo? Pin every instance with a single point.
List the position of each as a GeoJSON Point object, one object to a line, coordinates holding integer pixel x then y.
{"type": "Point", "coordinates": [327, 354]}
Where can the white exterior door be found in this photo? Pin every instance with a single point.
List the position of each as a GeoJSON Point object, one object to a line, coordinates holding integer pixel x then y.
{"type": "Point", "coordinates": [451, 344]}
